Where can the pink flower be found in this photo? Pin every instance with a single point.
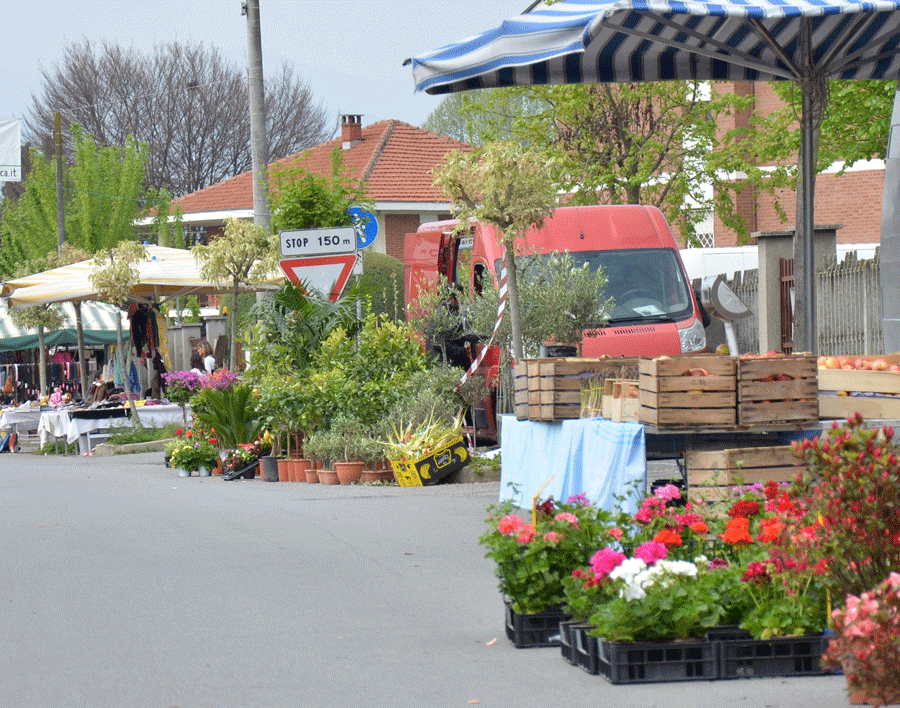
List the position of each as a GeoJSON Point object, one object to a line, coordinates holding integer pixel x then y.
{"type": "Point", "coordinates": [604, 560]}
{"type": "Point", "coordinates": [650, 552]}
{"type": "Point", "coordinates": [566, 516]}
{"type": "Point", "coordinates": [668, 492]}
{"type": "Point", "coordinates": [526, 535]}
{"type": "Point", "coordinates": [616, 533]}
{"type": "Point", "coordinates": [553, 537]}
{"type": "Point", "coordinates": [510, 525]}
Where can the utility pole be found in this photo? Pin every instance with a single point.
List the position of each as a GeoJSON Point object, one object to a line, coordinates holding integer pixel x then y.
{"type": "Point", "coordinates": [256, 90]}
{"type": "Point", "coordinates": [60, 240]}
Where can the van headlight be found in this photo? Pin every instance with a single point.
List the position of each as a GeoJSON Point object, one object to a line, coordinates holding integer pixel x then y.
{"type": "Point", "coordinates": [693, 338]}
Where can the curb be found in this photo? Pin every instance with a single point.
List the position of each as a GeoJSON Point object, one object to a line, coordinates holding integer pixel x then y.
{"type": "Point", "coordinates": [107, 450]}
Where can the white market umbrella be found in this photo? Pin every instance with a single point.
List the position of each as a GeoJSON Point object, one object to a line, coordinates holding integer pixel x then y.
{"type": "Point", "coordinates": [809, 42]}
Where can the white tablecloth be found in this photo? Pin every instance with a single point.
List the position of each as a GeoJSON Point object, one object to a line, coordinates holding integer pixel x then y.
{"type": "Point", "coordinates": [21, 419]}
{"type": "Point", "coordinates": [60, 423]}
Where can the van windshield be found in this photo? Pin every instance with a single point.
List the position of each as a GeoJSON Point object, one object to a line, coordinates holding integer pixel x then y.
{"type": "Point", "coordinates": [645, 284]}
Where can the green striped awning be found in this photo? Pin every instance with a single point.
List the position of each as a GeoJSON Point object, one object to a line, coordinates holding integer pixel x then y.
{"type": "Point", "coordinates": [98, 320]}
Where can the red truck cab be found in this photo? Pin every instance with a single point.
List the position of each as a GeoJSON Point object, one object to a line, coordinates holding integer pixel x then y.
{"type": "Point", "coordinates": [655, 310]}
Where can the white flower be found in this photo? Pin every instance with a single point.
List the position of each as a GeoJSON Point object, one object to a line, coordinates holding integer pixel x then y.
{"type": "Point", "coordinates": [678, 567]}
{"type": "Point", "coordinates": [633, 591]}
{"type": "Point", "coordinates": [627, 569]}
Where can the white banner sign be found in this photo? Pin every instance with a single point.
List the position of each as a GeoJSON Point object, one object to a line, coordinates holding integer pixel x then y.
{"type": "Point", "coordinates": [11, 150]}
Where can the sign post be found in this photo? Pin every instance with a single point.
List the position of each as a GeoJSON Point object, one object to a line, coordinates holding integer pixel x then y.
{"type": "Point", "coordinates": [320, 259]}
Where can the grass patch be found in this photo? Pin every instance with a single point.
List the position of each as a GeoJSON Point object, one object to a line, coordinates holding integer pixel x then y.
{"type": "Point", "coordinates": [127, 436]}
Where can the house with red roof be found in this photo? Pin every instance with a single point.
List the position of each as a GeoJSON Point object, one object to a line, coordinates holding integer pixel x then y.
{"type": "Point", "coordinates": [394, 160]}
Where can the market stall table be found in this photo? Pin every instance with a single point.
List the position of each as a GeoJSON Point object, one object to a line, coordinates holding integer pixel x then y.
{"type": "Point", "coordinates": [23, 420]}
{"type": "Point", "coordinates": [591, 456]}
{"type": "Point", "coordinates": [89, 426]}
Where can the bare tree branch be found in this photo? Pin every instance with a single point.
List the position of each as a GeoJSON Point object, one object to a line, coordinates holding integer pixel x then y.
{"type": "Point", "coordinates": [185, 101]}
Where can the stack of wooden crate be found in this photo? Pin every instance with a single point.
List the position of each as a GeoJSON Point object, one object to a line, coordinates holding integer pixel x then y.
{"type": "Point", "coordinates": [564, 388]}
{"type": "Point", "coordinates": [873, 394]}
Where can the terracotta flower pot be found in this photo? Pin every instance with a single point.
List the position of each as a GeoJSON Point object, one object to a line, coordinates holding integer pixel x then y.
{"type": "Point", "coordinates": [377, 476]}
{"type": "Point", "coordinates": [348, 472]}
{"type": "Point", "coordinates": [300, 467]}
{"type": "Point", "coordinates": [312, 476]}
{"type": "Point", "coordinates": [328, 477]}
{"type": "Point", "coordinates": [283, 469]}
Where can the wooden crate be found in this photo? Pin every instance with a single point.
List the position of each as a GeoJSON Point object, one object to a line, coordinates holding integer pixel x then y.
{"type": "Point", "coordinates": [713, 473]}
{"type": "Point", "coordinates": [670, 399]}
{"type": "Point", "coordinates": [625, 402]}
{"type": "Point", "coordinates": [780, 390]}
{"type": "Point", "coordinates": [520, 386]}
{"type": "Point", "coordinates": [873, 394]}
{"type": "Point", "coordinates": [606, 410]}
{"type": "Point", "coordinates": [743, 465]}
{"type": "Point", "coordinates": [554, 388]}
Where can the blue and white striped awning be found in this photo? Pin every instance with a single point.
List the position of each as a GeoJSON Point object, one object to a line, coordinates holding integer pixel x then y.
{"type": "Point", "coordinates": [582, 41]}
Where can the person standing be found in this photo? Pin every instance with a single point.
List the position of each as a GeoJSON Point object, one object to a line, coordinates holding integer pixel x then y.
{"type": "Point", "coordinates": [204, 348]}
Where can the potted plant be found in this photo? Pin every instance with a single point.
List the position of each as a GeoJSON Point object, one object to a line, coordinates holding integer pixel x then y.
{"type": "Point", "coordinates": [347, 432]}
{"type": "Point", "coordinates": [866, 643]}
{"type": "Point", "coordinates": [319, 447]}
{"type": "Point", "coordinates": [371, 452]}
{"type": "Point", "coordinates": [198, 455]}
{"type": "Point", "coordinates": [242, 461]}
{"type": "Point", "coordinates": [181, 387]}
{"type": "Point", "coordinates": [535, 557]}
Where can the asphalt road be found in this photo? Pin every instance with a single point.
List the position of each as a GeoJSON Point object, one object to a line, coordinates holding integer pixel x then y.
{"type": "Point", "coordinates": [123, 585]}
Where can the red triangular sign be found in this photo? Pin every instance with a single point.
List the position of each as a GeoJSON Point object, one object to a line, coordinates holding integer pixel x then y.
{"type": "Point", "coordinates": [327, 274]}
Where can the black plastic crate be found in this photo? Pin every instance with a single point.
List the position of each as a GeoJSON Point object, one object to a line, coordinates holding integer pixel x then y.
{"type": "Point", "coordinates": [727, 631]}
{"type": "Point", "coordinates": [646, 662]}
{"type": "Point", "coordinates": [586, 649]}
{"type": "Point", "coordinates": [566, 641]}
{"type": "Point", "coordinates": [540, 629]}
{"type": "Point", "coordinates": [779, 656]}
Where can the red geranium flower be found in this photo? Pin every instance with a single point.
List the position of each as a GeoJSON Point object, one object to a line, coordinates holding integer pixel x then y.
{"type": "Point", "coordinates": [744, 508]}
{"type": "Point", "coordinates": [668, 537]}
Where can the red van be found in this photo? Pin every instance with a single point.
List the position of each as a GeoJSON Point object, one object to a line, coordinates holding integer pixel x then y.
{"type": "Point", "coordinates": [655, 310]}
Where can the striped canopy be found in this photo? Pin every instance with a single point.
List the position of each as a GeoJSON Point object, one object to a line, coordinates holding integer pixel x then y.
{"type": "Point", "coordinates": [98, 321]}
{"type": "Point", "coordinates": [618, 41]}
{"type": "Point", "coordinates": [167, 273]}
{"type": "Point", "coordinates": [582, 41]}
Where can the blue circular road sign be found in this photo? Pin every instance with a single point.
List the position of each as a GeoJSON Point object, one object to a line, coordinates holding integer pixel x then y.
{"type": "Point", "coordinates": [366, 226]}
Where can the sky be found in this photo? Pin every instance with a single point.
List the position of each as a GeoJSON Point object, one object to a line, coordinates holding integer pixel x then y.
{"type": "Point", "coordinates": [350, 51]}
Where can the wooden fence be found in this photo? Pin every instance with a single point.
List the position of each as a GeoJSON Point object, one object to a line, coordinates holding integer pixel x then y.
{"type": "Point", "coordinates": [848, 307]}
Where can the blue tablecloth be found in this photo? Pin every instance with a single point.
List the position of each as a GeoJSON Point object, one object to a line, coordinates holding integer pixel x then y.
{"type": "Point", "coordinates": [596, 457]}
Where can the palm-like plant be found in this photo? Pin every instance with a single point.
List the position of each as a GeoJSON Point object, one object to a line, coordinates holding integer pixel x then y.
{"type": "Point", "coordinates": [232, 412]}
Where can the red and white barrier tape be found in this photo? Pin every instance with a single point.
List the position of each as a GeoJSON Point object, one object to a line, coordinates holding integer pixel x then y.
{"type": "Point", "coordinates": [501, 307]}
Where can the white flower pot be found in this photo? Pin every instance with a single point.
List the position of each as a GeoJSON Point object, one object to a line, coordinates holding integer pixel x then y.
{"type": "Point", "coordinates": [183, 472]}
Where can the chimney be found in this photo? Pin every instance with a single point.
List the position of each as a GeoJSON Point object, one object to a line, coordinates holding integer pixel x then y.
{"type": "Point", "coordinates": [351, 131]}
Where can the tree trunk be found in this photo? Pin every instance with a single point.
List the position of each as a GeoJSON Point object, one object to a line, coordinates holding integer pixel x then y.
{"type": "Point", "coordinates": [512, 292]}
{"type": "Point", "coordinates": [79, 328]}
{"type": "Point", "coordinates": [233, 348]}
{"type": "Point", "coordinates": [122, 362]}
{"type": "Point", "coordinates": [42, 362]}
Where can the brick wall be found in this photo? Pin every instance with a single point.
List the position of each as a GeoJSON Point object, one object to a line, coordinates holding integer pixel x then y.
{"type": "Point", "coordinates": [396, 226]}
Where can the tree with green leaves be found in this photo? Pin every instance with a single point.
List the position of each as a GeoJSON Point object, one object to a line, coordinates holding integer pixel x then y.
{"type": "Point", "coordinates": [43, 318]}
{"type": "Point", "coordinates": [508, 187]}
{"type": "Point", "coordinates": [115, 275]}
{"type": "Point", "coordinates": [479, 117]}
{"type": "Point", "coordinates": [300, 199]}
{"type": "Point", "coordinates": [244, 255]}
{"type": "Point", "coordinates": [103, 193]}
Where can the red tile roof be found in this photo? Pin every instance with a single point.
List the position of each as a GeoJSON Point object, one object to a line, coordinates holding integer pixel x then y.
{"type": "Point", "coordinates": [393, 158]}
